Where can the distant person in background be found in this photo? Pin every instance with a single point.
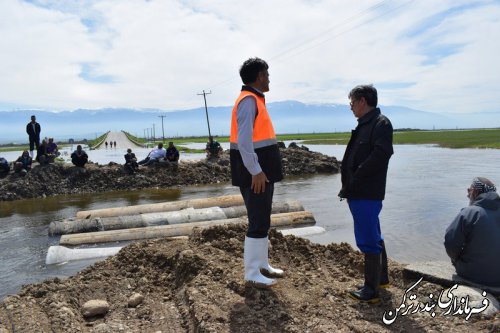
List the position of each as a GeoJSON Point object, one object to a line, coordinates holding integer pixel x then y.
{"type": "Point", "coordinates": [42, 156]}
{"type": "Point", "coordinates": [52, 150]}
{"type": "Point", "coordinates": [114, 143]}
{"type": "Point", "coordinates": [131, 165]}
{"type": "Point", "coordinates": [154, 156]}
{"type": "Point", "coordinates": [172, 155]}
{"type": "Point", "coordinates": [23, 163]}
{"type": "Point", "coordinates": [4, 167]}
{"type": "Point", "coordinates": [106, 143]}
{"type": "Point", "coordinates": [79, 157]}
{"type": "Point", "coordinates": [33, 129]}
{"type": "Point", "coordinates": [364, 175]}
{"type": "Point", "coordinates": [472, 240]}
{"type": "Point", "coordinates": [111, 144]}
{"type": "Point", "coordinates": [213, 148]}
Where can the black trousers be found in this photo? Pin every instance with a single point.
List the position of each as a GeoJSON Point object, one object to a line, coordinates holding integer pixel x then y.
{"type": "Point", "coordinates": [79, 162]}
{"type": "Point", "coordinates": [259, 208]}
{"type": "Point", "coordinates": [34, 142]}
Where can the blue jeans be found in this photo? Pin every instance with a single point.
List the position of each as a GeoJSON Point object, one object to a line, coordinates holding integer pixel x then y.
{"type": "Point", "coordinates": [366, 224]}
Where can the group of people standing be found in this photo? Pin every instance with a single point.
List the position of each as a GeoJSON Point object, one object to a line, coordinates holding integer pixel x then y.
{"type": "Point", "coordinates": [471, 240]}
{"type": "Point", "coordinates": [111, 143]}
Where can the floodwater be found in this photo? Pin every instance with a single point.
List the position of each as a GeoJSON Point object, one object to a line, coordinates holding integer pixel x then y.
{"type": "Point", "coordinates": [426, 188]}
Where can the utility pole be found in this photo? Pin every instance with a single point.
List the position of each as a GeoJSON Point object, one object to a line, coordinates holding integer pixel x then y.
{"type": "Point", "coordinates": [153, 133]}
{"type": "Point", "coordinates": [162, 130]}
{"type": "Point", "coordinates": [206, 110]}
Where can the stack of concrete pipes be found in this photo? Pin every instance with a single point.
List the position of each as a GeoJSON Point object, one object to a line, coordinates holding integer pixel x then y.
{"type": "Point", "coordinates": [170, 219]}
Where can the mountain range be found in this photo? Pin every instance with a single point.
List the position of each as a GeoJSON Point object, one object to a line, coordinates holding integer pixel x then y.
{"type": "Point", "coordinates": [288, 117]}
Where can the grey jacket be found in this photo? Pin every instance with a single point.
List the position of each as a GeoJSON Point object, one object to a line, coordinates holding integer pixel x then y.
{"type": "Point", "coordinates": [472, 241]}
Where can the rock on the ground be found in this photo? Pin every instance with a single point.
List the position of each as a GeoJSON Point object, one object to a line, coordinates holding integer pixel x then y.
{"type": "Point", "coordinates": [135, 300]}
{"type": "Point", "coordinates": [95, 307]}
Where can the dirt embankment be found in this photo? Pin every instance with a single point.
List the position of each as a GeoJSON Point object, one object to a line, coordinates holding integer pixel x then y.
{"type": "Point", "coordinates": [54, 179]}
{"type": "Point", "coordinates": [196, 285]}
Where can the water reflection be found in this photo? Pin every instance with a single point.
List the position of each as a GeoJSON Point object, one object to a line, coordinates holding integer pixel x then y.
{"type": "Point", "coordinates": [54, 204]}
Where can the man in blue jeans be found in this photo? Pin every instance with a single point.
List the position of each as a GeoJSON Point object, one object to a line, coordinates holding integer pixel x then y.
{"type": "Point", "coordinates": [364, 174]}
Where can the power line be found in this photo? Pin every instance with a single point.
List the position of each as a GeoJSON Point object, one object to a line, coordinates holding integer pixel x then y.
{"type": "Point", "coordinates": [350, 19]}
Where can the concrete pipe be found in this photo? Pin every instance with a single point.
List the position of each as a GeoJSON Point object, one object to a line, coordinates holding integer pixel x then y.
{"type": "Point", "coordinates": [60, 254]}
{"type": "Point", "coordinates": [72, 226]}
{"type": "Point", "coordinates": [277, 220]}
{"type": "Point", "coordinates": [303, 232]}
{"type": "Point", "coordinates": [223, 201]}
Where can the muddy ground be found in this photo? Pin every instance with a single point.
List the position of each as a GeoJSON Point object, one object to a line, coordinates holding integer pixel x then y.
{"type": "Point", "coordinates": [54, 179]}
{"type": "Point", "coordinates": [196, 285]}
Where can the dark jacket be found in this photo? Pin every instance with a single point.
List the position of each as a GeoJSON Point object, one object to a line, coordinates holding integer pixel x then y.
{"type": "Point", "coordinates": [130, 158]}
{"type": "Point", "coordinates": [33, 134]}
{"type": "Point", "coordinates": [366, 159]}
{"type": "Point", "coordinates": [172, 154]}
{"type": "Point", "coordinates": [472, 240]}
{"type": "Point", "coordinates": [82, 155]}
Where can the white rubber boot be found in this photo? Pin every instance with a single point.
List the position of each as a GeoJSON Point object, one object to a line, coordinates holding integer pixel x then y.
{"type": "Point", "coordinates": [255, 256]}
{"type": "Point", "coordinates": [31, 153]}
{"type": "Point", "coordinates": [266, 268]}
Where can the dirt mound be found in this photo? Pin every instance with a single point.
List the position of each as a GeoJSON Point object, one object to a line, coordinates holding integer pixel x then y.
{"type": "Point", "coordinates": [54, 179]}
{"type": "Point", "coordinates": [196, 285]}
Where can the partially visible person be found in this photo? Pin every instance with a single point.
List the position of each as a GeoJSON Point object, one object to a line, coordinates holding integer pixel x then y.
{"type": "Point", "coordinates": [106, 144]}
{"type": "Point", "coordinates": [213, 148]}
{"type": "Point", "coordinates": [33, 129]}
{"type": "Point", "coordinates": [131, 165]}
{"type": "Point", "coordinates": [42, 155]}
{"type": "Point", "coordinates": [52, 150]}
{"type": "Point", "coordinates": [364, 174]}
{"type": "Point", "coordinates": [114, 143]}
{"type": "Point", "coordinates": [255, 168]}
{"type": "Point", "coordinates": [154, 156]}
{"type": "Point", "coordinates": [472, 240]}
{"type": "Point", "coordinates": [172, 155]}
{"type": "Point", "coordinates": [23, 163]}
{"type": "Point", "coordinates": [4, 167]}
{"type": "Point", "coordinates": [79, 157]}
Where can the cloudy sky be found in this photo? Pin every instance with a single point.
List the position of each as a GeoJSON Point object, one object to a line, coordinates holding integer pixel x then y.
{"type": "Point", "coordinates": [438, 56]}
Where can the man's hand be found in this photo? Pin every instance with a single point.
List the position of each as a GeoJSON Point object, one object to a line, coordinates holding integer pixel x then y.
{"type": "Point", "coordinates": [259, 182]}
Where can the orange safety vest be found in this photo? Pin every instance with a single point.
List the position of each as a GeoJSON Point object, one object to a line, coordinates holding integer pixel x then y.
{"type": "Point", "coordinates": [263, 131]}
{"type": "Point", "coordinates": [264, 144]}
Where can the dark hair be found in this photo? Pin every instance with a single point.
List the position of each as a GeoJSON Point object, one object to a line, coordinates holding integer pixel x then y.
{"type": "Point", "coordinates": [160, 145]}
{"type": "Point", "coordinates": [367, 91]}
{"type": "Point", "coordinates": [251, 69]}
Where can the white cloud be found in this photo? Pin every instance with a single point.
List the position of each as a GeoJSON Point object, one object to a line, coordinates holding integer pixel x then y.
{"type": "Point", "coordinates": [160, 54]}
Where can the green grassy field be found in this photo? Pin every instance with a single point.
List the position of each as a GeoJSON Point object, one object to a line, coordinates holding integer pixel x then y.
{"type": "Point", "coordinates": [476, 138]}
{"type": "Point", "coordinates": [480, 138]}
